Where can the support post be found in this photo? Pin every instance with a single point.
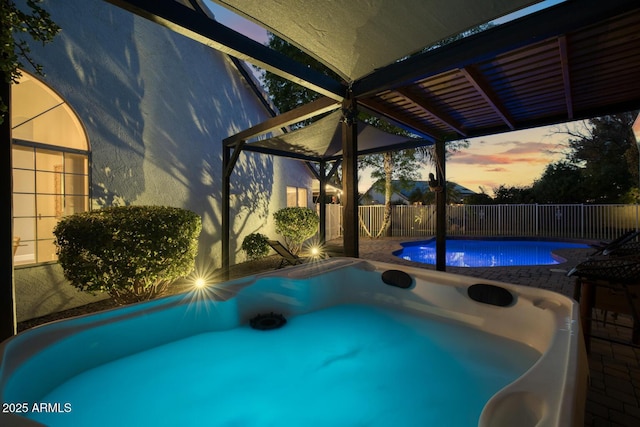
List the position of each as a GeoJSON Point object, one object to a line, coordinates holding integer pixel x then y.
{"type": "Point", "coordinates": [7, 290]}
{"type": "Point", "coordinates": [441, 208]}
{"type": "Point", "coordinates": [350, 176]}
{"type": "Point", "coordinates": [322, 196]}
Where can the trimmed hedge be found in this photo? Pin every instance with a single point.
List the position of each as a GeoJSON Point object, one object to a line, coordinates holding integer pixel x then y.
{"type": "Point", "coordinates": [296, 225]}
{"type": "Point", "coordinates": [255, 246]}
{"type": "Point", "coordinates": [131, 252]}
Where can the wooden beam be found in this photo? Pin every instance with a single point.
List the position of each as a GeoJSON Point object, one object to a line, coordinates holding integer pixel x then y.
{"type": "Point", "coordinates": [566, 77]}
{"type": "Point", "coordinates": [313, 169]}
{"type": "Point", "coordinates": [478, 82]}
{"type": "Point", "coordinates": [408, 145]}
{"type": "Point", "coordinates": [405, 122]}
{"type": "Point", "coordinates": [197, 26]}
{"type": "Point", "coordinates": [350, 178]}
{"type": "Point", "coordinates": [312, 109]}
{"type": "Point", "coordinates": [231, 163]}
{"type": "Point", "coordinates": [334, 168]}
{"type": "Point", "coordinates": [282, 153]}
{"type": "Point", "coordinates": [432, 110]}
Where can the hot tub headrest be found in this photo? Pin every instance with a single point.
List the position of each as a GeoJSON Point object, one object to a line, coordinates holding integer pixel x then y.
{"type": "Point", "coordinates": [490, 294]}
{"type": "Point", "coordinates": [397, 278]}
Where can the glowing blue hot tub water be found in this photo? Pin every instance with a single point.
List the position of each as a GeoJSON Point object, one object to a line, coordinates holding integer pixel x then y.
{"type": "Point", "coordinates": [372, 366]}
{"type": "Point", "coordinates": [488, 253]}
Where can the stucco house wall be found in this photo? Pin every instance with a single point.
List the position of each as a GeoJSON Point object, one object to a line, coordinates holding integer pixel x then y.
{"type": "Point", "coordinates": [156, 107]}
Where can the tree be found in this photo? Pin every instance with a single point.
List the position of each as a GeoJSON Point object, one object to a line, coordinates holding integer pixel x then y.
{"type": "Point", "coordinates": [400, 166]}
{"type": "Point", "coordinates": [481, 198]}
{"type": "Point", "coordinates": [513, 195]}
{"type": "Point", "coordinates": [606, 151]}
{"type": "Point", "coordinates": [561, 182]}
{"type": "Point", "coordinates": [14, 49]}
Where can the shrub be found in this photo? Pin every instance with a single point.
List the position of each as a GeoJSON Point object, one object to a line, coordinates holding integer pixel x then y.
{"type": "Point", "coordinates": [255, 245]}
{"type": "Point", "coordinates": [296, 225]}
{"type": "Point", "coordinates": [131, 252]}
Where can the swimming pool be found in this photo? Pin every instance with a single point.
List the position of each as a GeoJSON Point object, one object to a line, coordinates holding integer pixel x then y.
{"type": "Point", "coordinates": [354, 351]}
{"type": "Point", "coordinates": [488, 252]}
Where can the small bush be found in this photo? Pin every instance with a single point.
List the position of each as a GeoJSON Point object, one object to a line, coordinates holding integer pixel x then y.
{"type": "Point", "coordinates": [255, 246]}
{"type": "Point", "coordinates": [296, 225]}
{"type": "Point", "coordinates": [131, 252]}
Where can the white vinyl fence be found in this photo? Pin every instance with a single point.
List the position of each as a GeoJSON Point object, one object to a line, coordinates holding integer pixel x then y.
{"type": "Point", "coordinates": [591, 222]}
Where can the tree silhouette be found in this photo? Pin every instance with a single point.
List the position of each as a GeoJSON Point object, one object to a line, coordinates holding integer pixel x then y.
{"type": "Point", "coordinates": [14, 48]}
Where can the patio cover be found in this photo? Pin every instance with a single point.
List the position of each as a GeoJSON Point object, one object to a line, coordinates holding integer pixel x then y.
{"type": "Point", "coordinates": [570, 61]}
{"type": "Point", "coordinates": [322, 140]}
{"type": "Point", "coordinates": [355, 37]}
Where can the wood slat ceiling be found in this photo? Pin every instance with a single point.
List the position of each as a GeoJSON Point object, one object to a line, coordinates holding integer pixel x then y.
{"type": "Point", "coordinates": [591, 71]}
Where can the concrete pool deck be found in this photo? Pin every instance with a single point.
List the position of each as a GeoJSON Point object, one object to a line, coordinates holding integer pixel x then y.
{"type": "Point", "coordinates": [613, 397]}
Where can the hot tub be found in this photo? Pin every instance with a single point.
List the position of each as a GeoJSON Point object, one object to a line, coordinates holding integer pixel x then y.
{"type": "Point", "coordinates": [353, 343]}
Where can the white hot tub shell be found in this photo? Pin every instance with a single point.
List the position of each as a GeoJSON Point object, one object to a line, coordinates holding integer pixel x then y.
{"type": "Point", "coordinates": [551, 393]}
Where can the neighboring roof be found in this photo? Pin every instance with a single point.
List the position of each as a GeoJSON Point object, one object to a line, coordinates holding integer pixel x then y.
{"type": "Point", "coordinates": [404, 191]}
{"type": "Point", "coordinates": [355, 37]}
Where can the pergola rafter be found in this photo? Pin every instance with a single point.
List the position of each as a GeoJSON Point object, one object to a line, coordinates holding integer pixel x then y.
{"type": "Point", "coordinates": [476, 80]}
{"type": "Point", "coordinates": [566, 76]}
{"type": "Point", "coordinates": [432, 110]}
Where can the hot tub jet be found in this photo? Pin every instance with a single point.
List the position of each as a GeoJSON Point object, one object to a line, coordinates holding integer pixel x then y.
{"type": "Point", "coordinates": [265, 322]}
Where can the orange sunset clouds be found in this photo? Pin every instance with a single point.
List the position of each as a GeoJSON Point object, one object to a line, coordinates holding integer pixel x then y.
{"type": "Point", "coordinates": [511, 159]}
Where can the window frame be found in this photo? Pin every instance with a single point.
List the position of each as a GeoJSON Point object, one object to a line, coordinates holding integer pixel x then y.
{"type": "Point", "coordinates": [298, 194]}
{"type": "Point", "coordinates": [38, 238]}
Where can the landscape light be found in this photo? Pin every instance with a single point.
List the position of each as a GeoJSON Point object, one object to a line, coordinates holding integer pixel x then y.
{"type": "Point", "coordinates": [199, 283]}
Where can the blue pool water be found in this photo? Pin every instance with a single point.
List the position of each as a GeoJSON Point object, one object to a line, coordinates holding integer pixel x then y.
{"type": "Point", "coordinates": [487, 253]}
{"type": "Point", "coordinates": [347, 365]}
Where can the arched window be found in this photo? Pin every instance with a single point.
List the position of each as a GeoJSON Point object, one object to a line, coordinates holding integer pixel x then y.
{"type": "Point", "coordinates": [50, 160]}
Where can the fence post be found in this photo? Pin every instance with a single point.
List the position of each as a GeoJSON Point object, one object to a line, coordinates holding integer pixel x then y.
{"type": "Point", "coordinates": [582, 222]}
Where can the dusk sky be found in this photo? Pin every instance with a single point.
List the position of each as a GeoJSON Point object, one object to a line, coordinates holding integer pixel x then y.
{"type": "Point", "coordinates": [512, 158]}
